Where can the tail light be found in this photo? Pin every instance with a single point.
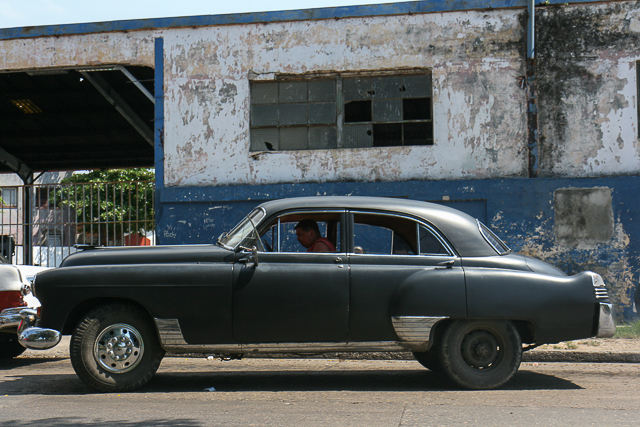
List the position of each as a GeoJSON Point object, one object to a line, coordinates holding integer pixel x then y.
{"type": "Point", "coordinates": [10, 299]}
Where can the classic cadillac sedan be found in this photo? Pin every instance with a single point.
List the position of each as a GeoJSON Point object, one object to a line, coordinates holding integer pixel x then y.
{"type": "Point", "coordinates": [395, 275]}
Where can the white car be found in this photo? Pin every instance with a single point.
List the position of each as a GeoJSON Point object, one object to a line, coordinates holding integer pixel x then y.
{"type": "Point", "coordinates": [15, 293]}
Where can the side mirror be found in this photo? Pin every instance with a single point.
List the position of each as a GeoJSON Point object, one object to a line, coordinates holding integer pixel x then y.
{"type": "Point", "coordinates": [252, 256]}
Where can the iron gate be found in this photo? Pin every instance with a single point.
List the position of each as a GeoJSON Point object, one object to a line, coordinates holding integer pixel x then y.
{"type": "Point", "coordinates": [66, 217]}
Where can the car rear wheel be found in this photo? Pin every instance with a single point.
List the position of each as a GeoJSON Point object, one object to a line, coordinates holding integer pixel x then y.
{"type": "Point", "coordinates": [429, 359]}
{"type": "Point", "coordinates": [9, 346]}
{"type": "Point", "coordinates": [115, 348]}
{"type": "Point", "coordinates": [481, 354]}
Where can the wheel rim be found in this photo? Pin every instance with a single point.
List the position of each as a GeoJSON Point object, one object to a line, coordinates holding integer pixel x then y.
{"type": "Point", "coordinates": [119, 348]}
{"type": "Point", "coordinates": [480, 349]}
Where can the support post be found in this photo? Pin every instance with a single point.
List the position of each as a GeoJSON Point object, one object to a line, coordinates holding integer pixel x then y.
{"type": "Point", "coordinates": [532, 96]}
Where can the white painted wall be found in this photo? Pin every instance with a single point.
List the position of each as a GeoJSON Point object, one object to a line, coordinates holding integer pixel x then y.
{"type": "Point", "coordinates": [478, 106]}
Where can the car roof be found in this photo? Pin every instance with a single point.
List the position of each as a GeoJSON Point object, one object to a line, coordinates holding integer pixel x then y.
{"type": "Point", "coordinates": [461, 229]}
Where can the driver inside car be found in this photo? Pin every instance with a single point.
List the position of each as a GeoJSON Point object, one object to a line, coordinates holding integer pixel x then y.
{"type": "Point", "coordinates": [308, 235]}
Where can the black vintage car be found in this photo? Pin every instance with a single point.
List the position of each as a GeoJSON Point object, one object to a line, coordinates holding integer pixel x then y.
{"type": "Point", "coordinates": [404, 276]}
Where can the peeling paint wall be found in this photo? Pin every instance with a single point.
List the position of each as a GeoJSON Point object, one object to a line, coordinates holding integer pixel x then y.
{"type": "Point", "coordinates": [478, 105]}
{"type": "Point", "coordinates": [586, 56]}
{"type": "Point", "coordinates": [83, 50]}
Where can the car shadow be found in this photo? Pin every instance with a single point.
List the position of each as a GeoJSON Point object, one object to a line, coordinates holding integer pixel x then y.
{"type": "Point", "coordinates": [401, 380]}
{"type": "Point", "coordinates": [365, 380]}
{"type": "Point", "coordinates": [20, 362]}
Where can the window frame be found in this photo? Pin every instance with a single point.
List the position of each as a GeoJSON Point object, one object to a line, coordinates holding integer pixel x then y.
{"type": "Point", "coordinates": [267, 134]}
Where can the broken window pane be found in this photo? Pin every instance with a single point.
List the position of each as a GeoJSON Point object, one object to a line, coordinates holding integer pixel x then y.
{"type": "Point", "coordinates": [386, 135]}
{"type": "Point", "coordinates": [265, 139]}
{"type": "Point", "coordinates": [420, 133]}
{"type": "Point", "coordinates": [357, 111]}
{"type": "Point", "coordinates": [416, 109]}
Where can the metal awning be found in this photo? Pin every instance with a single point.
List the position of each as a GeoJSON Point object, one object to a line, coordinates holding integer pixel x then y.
{"type": "Point", "coordinates": [76, 119]}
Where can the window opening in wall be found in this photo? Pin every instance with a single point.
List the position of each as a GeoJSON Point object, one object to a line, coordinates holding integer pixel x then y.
{"type": "Point", "coordinates": [9, 197]}
{"type": "Point", "coordinates": [341, 112]}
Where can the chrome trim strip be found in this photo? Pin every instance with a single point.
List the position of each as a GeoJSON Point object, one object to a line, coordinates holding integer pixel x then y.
{"type": "Point", "coordinates": [170, 333]}
{"type": "Point", "coordinates": [415, 331]}
{"type": "Point", "coordinates": [172, 341]}
{"type": "Point", "coordinates": [606, 321]}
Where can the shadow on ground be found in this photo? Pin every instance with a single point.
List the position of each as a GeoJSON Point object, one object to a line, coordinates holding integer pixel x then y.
{"type": "Point", "coordinates": [278, 381]}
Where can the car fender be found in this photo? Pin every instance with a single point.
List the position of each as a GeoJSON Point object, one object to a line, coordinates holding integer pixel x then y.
{"type": "Point", "coordinates": [556, 306]}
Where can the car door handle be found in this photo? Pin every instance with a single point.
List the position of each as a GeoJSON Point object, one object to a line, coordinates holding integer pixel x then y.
{"type": "Point", "coordinates": [448, 264]}
{"type": "Point", "coordinates": [338, 259]}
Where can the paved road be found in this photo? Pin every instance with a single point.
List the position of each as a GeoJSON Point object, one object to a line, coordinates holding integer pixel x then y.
{"type": "Point", "coordinates": [313, 392]}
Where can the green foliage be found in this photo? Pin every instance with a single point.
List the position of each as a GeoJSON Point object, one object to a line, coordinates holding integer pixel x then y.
{"type": "Point", "coordinates": [110, 202]}
{"type": "Point", "coordinates": [631, 330]}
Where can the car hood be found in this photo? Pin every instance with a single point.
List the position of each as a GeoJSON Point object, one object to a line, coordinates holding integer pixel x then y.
{"type": "Point", "coordinates": [149, 255]}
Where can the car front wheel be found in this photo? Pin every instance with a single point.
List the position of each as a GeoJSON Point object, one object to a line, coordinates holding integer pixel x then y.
{"type": "Point", "coordinates": [115, 348]}
{"type": "Point", "coordinates": [481, 354]}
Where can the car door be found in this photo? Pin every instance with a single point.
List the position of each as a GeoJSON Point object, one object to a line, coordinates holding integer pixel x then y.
{"type": "Point", "coordinates": [399, 267]}
{"type": "Point", "coordinates": [290, 295]}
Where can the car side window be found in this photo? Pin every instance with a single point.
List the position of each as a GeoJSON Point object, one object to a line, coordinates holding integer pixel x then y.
{"type": "Point", "coordinates": [280, 234]}
{"type": "Point", "coordinates": [430, 244]}
{"type": "Point", "coordinates": [394, 235]}
{"type": "Point", "coordinates": [384, 234]}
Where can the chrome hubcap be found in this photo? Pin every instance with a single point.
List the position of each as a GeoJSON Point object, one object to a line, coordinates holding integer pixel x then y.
{"type": "Point", "coordinates": [119, 348]}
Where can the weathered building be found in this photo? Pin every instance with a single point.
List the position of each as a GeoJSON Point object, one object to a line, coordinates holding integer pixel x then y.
{"type": "Point", "coordinates": [430, 100]}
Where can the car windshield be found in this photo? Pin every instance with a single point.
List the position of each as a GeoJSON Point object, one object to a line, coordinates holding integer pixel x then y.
{"type": "Point", "coordinates": [495, 242]}
{"type": "Point", "coordinates": [244, 233]}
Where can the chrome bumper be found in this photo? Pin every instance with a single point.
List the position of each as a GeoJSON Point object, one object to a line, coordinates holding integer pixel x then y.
{"type": "Point", "coordinates": [606, 321]}
{"type": "Point", "coordinates": [10, 318]}
{"type": "Point", "coordinates": [24, 320]}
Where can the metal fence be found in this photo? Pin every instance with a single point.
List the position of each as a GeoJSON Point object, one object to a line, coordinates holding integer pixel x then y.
{"type": "Point", "coordinates": [64, 217]}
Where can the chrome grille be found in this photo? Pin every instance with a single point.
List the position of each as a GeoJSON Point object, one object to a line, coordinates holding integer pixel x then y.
{"type": "Point", "coordinates": [601, 293]}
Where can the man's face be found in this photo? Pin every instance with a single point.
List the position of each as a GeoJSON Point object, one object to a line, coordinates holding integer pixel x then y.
{"type": "Point", "coordinates": [305, 238]}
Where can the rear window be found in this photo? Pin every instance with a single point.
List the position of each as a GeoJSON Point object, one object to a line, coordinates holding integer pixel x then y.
{"type": "Point", "coordinates": [496, 243]}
